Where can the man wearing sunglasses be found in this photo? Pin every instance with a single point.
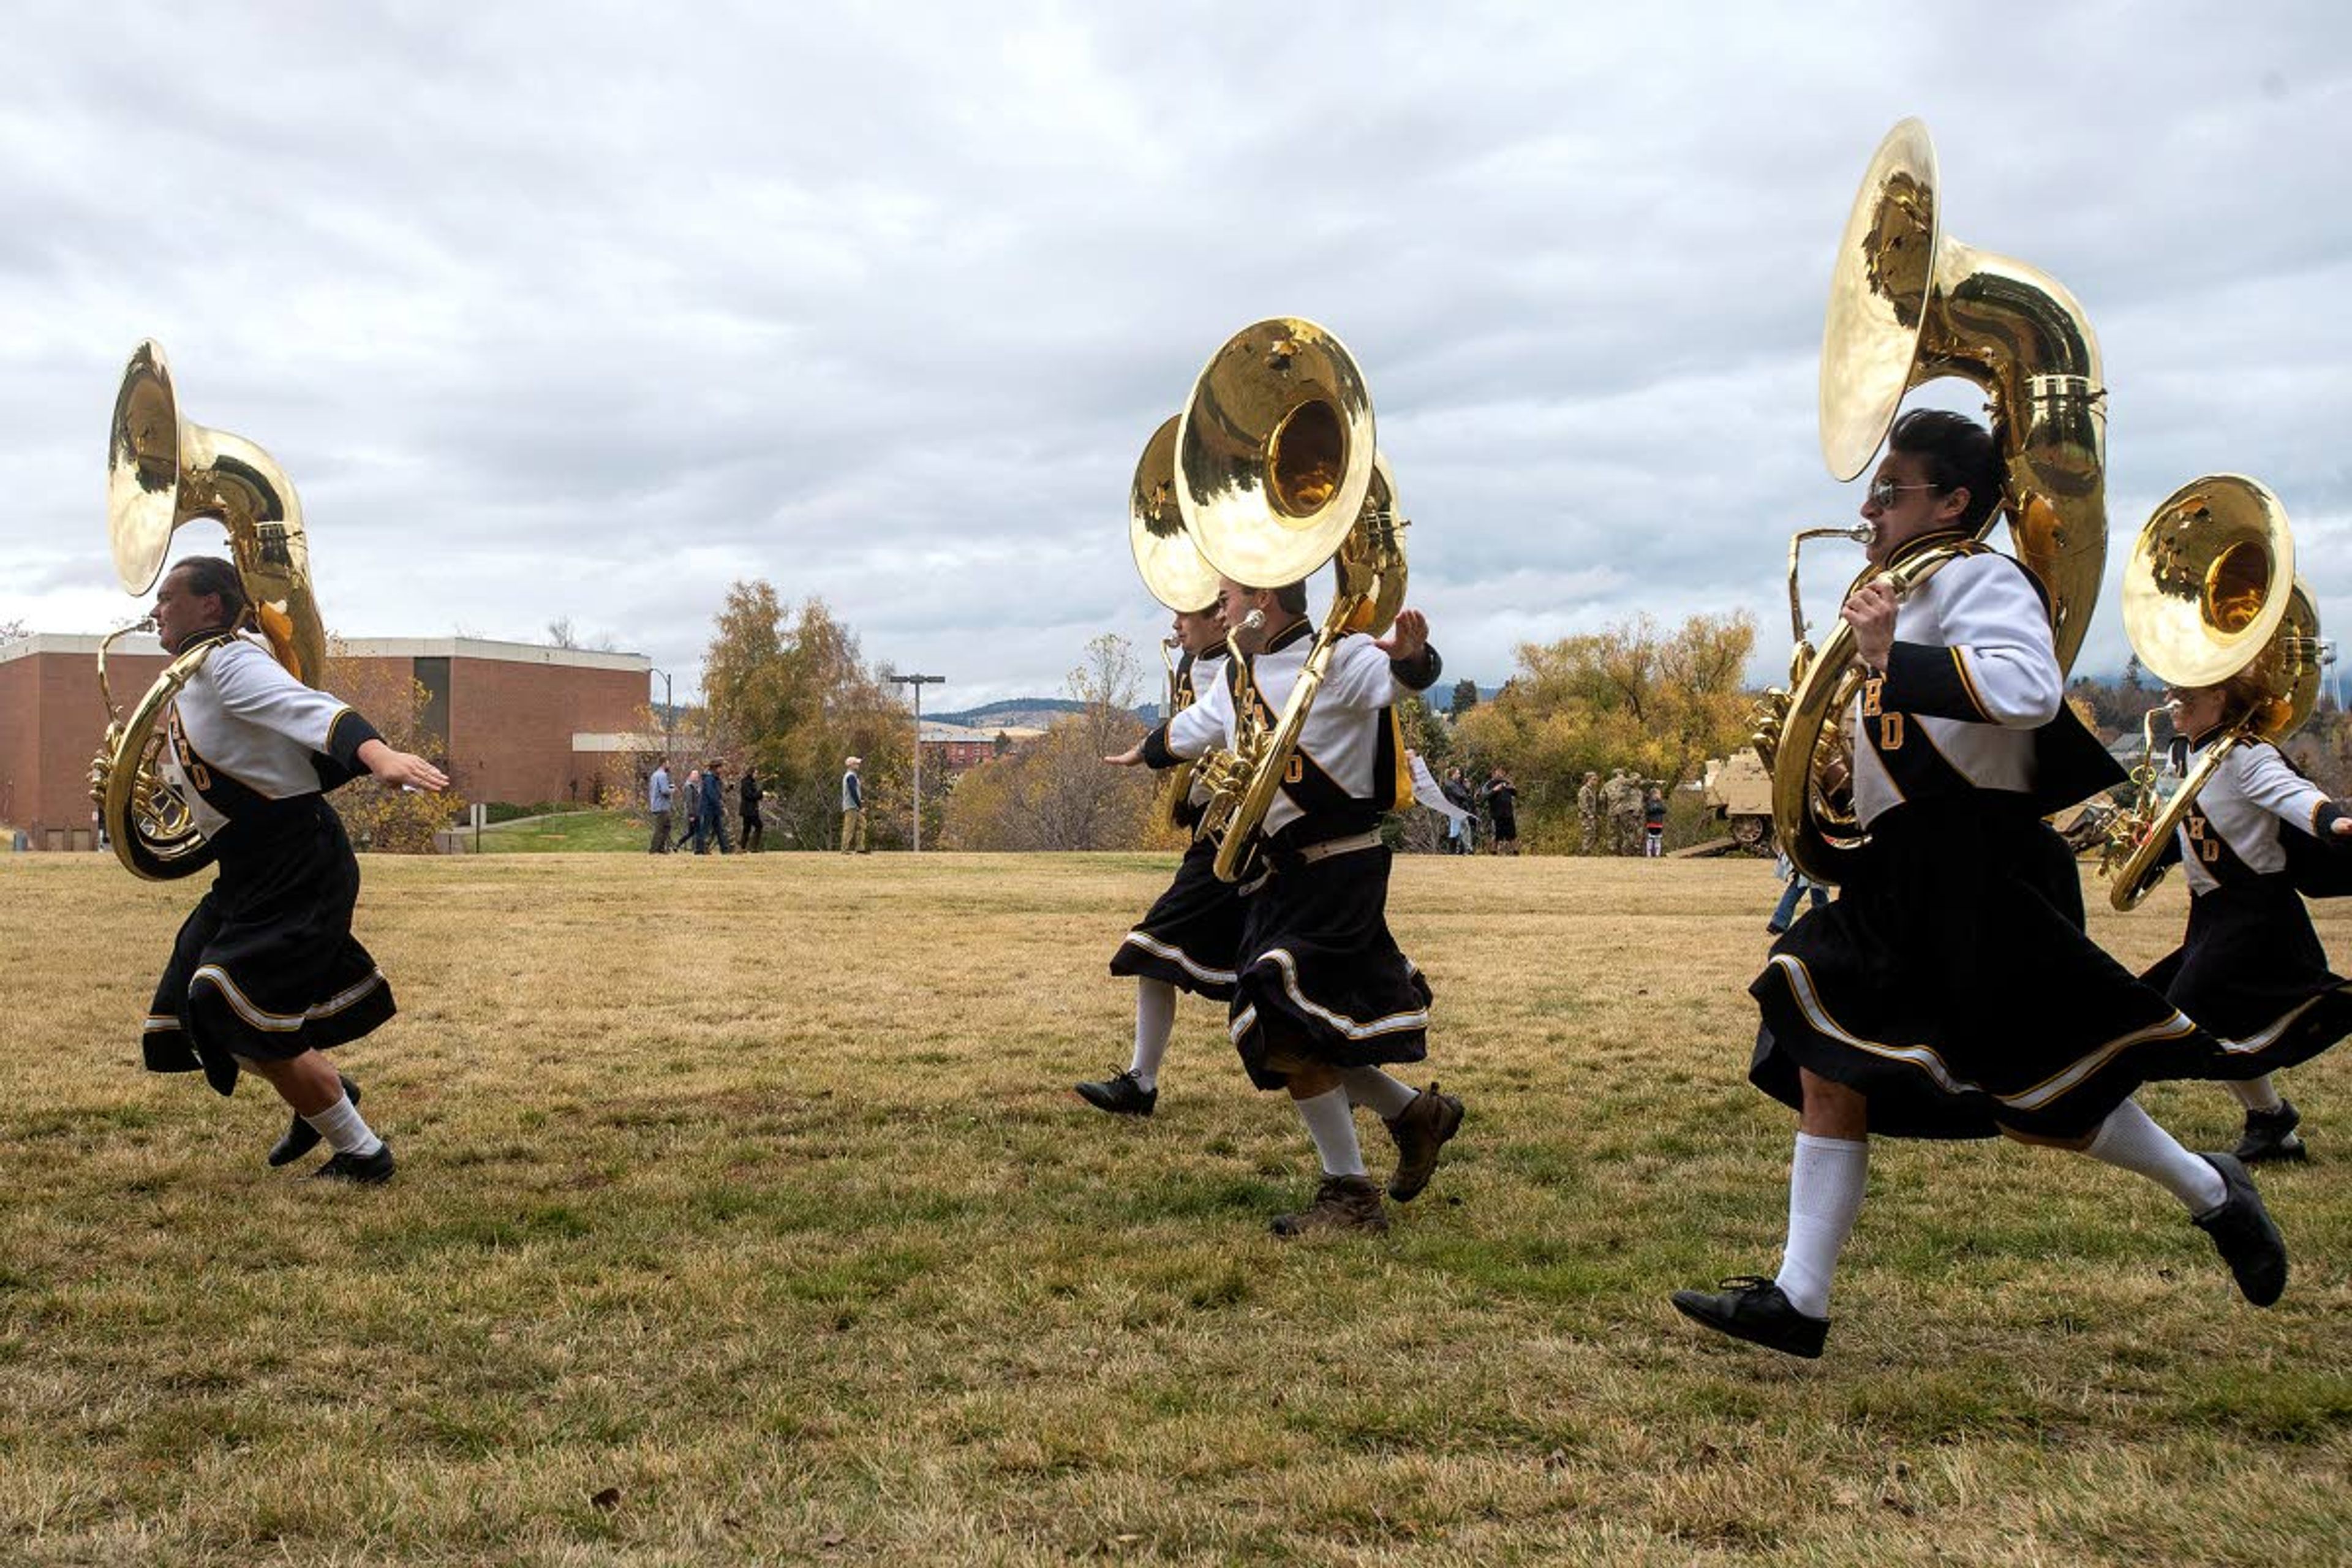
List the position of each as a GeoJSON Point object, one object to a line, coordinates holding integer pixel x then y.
{"type": "Point", "coordinates": [1950, 992]}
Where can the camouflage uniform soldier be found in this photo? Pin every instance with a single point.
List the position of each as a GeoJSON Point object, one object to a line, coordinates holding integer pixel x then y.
{"type": "Point", "coordinates": [1623, 795]}
{"type": "Point", "coordinates": [1587, 811]}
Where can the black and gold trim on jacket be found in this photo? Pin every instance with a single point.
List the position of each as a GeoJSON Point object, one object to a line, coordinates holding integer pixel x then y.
{"type": "Point", "coordinates": [1912, 760]}
{"type": "Point", "coordinates": [2209, 849]}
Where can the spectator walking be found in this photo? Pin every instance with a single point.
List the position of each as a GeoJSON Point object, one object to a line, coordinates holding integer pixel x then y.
{"type": "Point", "coordinates": [693, 839]}
{"type": "Point", "coordinates": [714, 808]}
{"type": "Point", "coordinates": [657, 801]}
{"type": "Point", "coordinates": [750, 795]}
{"type": "Point", "coordinates": [1653, 824]}
{"type": "Point", "coordinates": [852, 808]}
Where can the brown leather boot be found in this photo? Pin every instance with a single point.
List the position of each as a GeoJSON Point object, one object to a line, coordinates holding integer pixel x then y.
{"type": "Point", "coordinates": [1420, 1129]}
{"type": "Point", "coordinates": [1341, 1203]}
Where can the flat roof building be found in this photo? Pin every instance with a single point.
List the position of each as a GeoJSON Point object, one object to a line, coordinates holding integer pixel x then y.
{"type": "Point", "coordinates": [517, 722]}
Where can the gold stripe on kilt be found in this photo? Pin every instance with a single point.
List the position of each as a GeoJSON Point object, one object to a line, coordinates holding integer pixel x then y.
{"type": "Point", "coordinates": [1395, 1023]}
{"type": "Point", "coordinates": [1925, 1057]}
{"type": "Point", "coordinates": [282, 1023]}
{"type": "Point", "coordinates": [1179, 956]}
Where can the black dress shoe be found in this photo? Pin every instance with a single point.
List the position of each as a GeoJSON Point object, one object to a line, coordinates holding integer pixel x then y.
{"type": "Point", "coordinates": [1755, 1309]}
{"type": "Point", "coordinates": [300, 1136]}
{"type": "Point", "coordinates": [368, 1170]}
{"type": "Point", "coordinates": [2270, 1137]}
{"type": "Point", "coordinates": [2243, 1235]}
{"type": "Point", "coordinates": [1121, 1094]}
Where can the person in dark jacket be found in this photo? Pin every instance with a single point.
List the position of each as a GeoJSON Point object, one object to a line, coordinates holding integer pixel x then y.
{"type": "Point", "coordinates": [750, 795]}
{"type": "Point", "coordinates": [714, 809]}
{"type": "Point", "coordinates": [1502, 798]}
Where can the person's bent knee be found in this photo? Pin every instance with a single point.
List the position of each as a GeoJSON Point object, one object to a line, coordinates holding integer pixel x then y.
{"type": "Point", "coordinates": [1833, 1109]}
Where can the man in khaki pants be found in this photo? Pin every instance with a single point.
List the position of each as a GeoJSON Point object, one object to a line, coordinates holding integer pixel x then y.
{"type": "Point", "coordinates": [853, 809]}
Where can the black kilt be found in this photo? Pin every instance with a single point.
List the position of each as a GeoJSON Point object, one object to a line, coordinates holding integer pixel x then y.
{"type": "Point", "coordinates": [1951, 983]}
{"type": "Point", "coordinates": [2252, 971]}
{"type": "Point", "coordinates": [266, 966]}
{"type": "Point", "coordinates": [1322, 981]}
{"type": "Point", "coordinates": [1189, 937]}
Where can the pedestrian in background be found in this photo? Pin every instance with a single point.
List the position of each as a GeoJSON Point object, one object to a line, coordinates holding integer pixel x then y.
{"type": "Point", "coordinates": [1588, 813]}
{"type": "Point", "coordinates": [693, 839]}
{"type": "Point", "coordinates": [853, 808]}
{"type": "Point", "coordinates": [714, 808]}
{"type": "Point", "coordinates": [1502, 810]}
{"type": "Point", "coordinates": [658, 799]}
{"type": "Point", "coordinates": [751, 794]}
{"type": "Point", "coordinates": [1784, 913]}
{"type": "Point", "coordinates": [1653, 824]}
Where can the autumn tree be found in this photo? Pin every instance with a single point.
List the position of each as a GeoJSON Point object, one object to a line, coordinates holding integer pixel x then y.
{"type": "Point", "coordinates": [1632, 695]}
{"type": "Point", "coordinates": [788, 691]}
{"type": "Point", "coordinates": [378, 817]}
{"type": "Point", "coordinates": [1056, 793]}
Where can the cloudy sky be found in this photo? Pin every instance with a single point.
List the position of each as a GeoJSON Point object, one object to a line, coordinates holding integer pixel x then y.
{"type": "Point", "coordinates": [581, 312]}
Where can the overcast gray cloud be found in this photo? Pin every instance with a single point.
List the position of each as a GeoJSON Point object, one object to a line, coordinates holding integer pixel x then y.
{"type": "Point", "coordinates": [586, 312]}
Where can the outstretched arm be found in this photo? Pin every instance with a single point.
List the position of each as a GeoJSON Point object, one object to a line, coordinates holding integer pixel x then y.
{"type": "Point", "coordinates": [405, 769]}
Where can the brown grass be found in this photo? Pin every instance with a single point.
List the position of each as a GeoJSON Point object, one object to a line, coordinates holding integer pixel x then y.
{"type": "Point", "coordinates": [747, 1196]}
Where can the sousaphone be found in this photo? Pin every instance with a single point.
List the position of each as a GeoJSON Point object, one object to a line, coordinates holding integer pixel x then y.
{"type": "Point", "coordinates": [161, 470]}
{"type": "Point", "coordinates": [1278, 475]}
{"type": "Point", "coordinates": [2210, 594]}
{"type": "Point", "coordinates": [1908, 305]}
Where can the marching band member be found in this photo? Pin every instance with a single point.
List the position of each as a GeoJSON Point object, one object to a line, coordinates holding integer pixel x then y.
{"type": "Point", "coordinates": [1322, 997]}
{"type": "Point", "coordinates": [1951, 991]}
{"type": "Point", "coordinates": [266, 974]}
{"type": "Point", "coordinates": [1187, 940]}
{"type": "Point", "coordinates": [2249, 968]}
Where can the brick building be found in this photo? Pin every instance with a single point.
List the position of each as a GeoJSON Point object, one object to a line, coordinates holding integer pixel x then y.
{"type": "Point", "coordinates": [956, 749]}
{"type": "Point", "coordinates": [518, 723]}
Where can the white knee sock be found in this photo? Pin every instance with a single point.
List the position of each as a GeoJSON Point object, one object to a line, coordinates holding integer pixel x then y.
{"type": "Point", "coordinates": [2128, 1138]}
{"type": "Point", "coordinates": [1826, 1178]}
{"type": "Point", "coordinates": [1331, 1122]}
{"type": "Point", "coordinates": [1155, 1017]}
{"type": "Point", "coordinates": [345, 1132]}
{"type": "Point", "coordinates": [1384, 1096]}
{"type": "Point", "coordinates": [2258, 1094]}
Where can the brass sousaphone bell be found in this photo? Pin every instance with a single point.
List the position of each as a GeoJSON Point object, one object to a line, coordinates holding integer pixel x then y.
{"type": "Point", "coordinates": [1173, 572]}
{"type": "Point", "coordinates": [2209, 594]}
{"type": "Point", "coordinates": [163, 470]}
{"type": "Point", "coordinates": [1908, 305]}
{"type": "Point", "coordinates": [1277, 473]}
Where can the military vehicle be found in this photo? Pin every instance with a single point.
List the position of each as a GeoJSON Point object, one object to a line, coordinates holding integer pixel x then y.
{"type": "Point", "coordinates": [1739, 791]}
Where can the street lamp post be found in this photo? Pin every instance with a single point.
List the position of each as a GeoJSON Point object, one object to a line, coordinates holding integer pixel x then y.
{"type": "Point", "coordinates": [917, 682]}
{"type": "Point", "coordinates": [669, 716]}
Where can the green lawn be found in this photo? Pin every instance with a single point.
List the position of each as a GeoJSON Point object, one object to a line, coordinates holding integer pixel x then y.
{"type": "Point", "coordinates": [745, 1215]}
{"type": "Point", "coordinates": [570, 832]}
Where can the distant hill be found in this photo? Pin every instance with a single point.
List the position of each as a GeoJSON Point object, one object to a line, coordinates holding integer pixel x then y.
{"type": "Point", "coordinates": [1011, 713]}
{"type": "Point", "coordinates": [1039, 712]}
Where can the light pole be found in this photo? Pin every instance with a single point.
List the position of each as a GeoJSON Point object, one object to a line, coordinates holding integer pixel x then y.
{"type": "Point", "coordinates": [669, 716]}
{"type": "Point", "coordinates": [917, 682]}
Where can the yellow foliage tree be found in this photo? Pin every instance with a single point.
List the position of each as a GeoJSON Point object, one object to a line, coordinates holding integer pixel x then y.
{"type": "Point", "coordinates": [1056, 793]}
{"type": "Point", "coordinates": [388, 820]}
{"type": "Point", "coordinates": [1632, 696]}
{"type": "Point", "coordinates": [789, 692]}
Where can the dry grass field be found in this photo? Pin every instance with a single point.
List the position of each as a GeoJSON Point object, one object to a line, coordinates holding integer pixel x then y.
{"type": "Point", "coordinates": [745, 1216]}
